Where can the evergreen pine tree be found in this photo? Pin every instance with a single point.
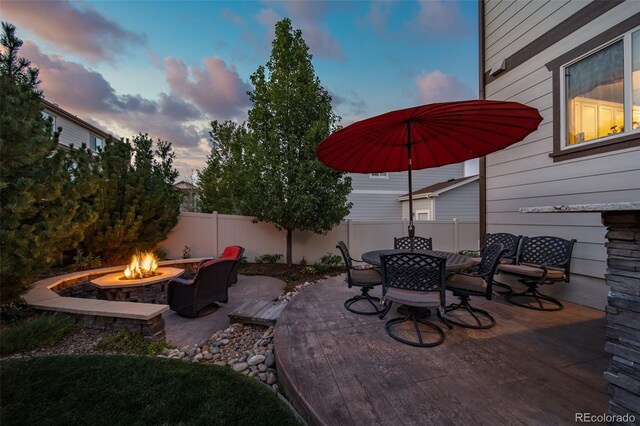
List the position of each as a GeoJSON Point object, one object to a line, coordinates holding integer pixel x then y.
{"type": "Point", "coordinates": [44, 197]}
{"type": "Point", "coordinates": [136, 202]}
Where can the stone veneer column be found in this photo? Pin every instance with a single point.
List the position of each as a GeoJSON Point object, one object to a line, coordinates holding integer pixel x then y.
{"type": "Point", "coordinates": [623, 311]}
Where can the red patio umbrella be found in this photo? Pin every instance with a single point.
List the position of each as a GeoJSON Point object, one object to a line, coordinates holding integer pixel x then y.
{"type": "Point", "coordinates": [427, 136]}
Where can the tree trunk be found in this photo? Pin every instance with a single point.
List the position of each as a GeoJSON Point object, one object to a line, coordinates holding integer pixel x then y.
{"type": "Point", "coordinates": [289, 244]}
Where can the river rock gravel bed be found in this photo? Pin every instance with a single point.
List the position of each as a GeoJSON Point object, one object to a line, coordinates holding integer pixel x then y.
{"type": "Point", "coordinates": [247, 349]}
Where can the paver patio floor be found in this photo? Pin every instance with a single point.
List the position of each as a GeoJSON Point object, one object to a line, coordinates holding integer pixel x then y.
{"type": "Point", "coordinates": [188, 331]}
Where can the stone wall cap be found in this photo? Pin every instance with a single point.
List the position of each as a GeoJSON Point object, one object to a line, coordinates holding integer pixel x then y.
{"type": "Point", "coordinates": [583, 208]}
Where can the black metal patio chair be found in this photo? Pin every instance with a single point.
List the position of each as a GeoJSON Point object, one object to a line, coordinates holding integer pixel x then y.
{"type": "Point", "coordinates": [411, 279]}
{"type": "Point", "coordinates": [415, 243]}
{"type": "Point", "coordinates": [366, 279]}
{"type": "Point", "coordinates": [542, 261]}
{"type": "Point", "coordinates": [511, 243]}
{"type": "Point", "coordinates": [479, 282]}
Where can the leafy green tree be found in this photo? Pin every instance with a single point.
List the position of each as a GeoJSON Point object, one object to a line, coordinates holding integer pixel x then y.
{"type": "Point", "coordinates": [291, 115]}
{"type": "Point", "coordinates": [136, 202]}
{"type": "Point", "coordinates": [223, 181]}
{"type": "Point", "coordinates": [45, 192]}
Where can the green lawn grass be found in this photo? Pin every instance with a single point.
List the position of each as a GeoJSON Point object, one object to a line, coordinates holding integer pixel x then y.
{"type": "Point", "coordinates": [119, 390]}
{"type": "Point", "coordinates": [35, 332]}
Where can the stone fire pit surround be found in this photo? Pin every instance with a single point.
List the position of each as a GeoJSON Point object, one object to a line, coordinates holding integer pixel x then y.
{"type": "Point", "coordinates": [151, 289]}
{"type": "Point", "coordinates": [53, 294]}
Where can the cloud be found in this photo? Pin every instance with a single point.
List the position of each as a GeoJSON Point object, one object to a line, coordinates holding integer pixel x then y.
{"type": "Point", "coordinates": [440, 87]}
{"type": "Point", "coordinates": [86, 93]}
{"type": "Point", "coordinates": [353, 103]}
{"type": "Point", "coordinates": [379, 12]}
{"type": "Point", "coordinates": [439, 17]}
{"type": "Point", "coordinates": [217, 89]}
{"type": "Point", "coordinates": [230, 15]}
{"type": "Point", "coordinates": [71, 83]}
{"type": "Point", "coordinates": [268, 18]}
{"type": "Point", "coordinates": [84, 32]}
{"type": "Point", "coordinates": [197, 95]}
{"type": "Point", "coordinates": [307, 16]}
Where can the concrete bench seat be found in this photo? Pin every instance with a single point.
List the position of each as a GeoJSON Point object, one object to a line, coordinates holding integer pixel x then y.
{"type": "Point", "coordinates": [143, 318]}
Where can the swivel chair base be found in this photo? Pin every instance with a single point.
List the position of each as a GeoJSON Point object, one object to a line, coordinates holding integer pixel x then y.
{"type": "Point", "coordinates": [533, 294]}
{"type": "Point", "coordinates": [365, 296]}
{"type": "Point", "coordinates": [481, 318]}
{"type": "Point", "coordinates": [414, 317]}
{"type": "Point", "coordinates": [507, 288]}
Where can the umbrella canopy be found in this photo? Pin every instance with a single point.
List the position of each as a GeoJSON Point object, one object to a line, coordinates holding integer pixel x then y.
{"type": "Point", "coordinates": [427, 136]}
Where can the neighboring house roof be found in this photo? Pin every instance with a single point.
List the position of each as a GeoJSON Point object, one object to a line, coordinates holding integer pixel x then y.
{"type": "Point", "coordinates": [184, 185]}
{"type": "Point", "coordinates": [438, 188]}
{"type": "Point", "coordinates": [74, 119]}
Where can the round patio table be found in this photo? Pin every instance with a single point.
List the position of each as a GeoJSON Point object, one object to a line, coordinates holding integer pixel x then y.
{"type": "Point", "coordinates": [455, 261]}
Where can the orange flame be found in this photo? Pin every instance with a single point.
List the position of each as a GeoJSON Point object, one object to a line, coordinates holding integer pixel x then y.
{"type": "Point", "coordinates": [142, 265]}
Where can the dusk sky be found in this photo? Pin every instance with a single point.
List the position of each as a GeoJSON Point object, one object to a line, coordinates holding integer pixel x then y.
{"type": "Point", "coordinates": [170, 67]}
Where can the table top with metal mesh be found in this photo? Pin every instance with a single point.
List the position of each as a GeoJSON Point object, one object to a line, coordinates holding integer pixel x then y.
{"type": "Point", "coordinates": [455, 261]}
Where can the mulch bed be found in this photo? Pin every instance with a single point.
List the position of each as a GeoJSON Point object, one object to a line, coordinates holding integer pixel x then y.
{"type": "Point", "coordinates": [293, 274]}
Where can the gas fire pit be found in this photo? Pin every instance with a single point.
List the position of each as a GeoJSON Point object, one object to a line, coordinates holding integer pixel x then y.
{"type": "Point", "coordinates": [141, 281]}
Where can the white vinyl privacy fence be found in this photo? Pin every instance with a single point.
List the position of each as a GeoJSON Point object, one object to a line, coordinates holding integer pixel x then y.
{"type": "Point", "coordinates": [208, 234]}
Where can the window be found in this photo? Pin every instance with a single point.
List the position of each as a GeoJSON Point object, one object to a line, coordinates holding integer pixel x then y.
{"type": "Point", "coordinates": [422, 215]}
{"type": "Point", "coordinates": [96, 143]}
{"type": "Point", "coordinates": [379, 175]}
{"type": "Point", "coordinates": [601, 93]}
{"type": "Point", "coordinates": [47, 116]}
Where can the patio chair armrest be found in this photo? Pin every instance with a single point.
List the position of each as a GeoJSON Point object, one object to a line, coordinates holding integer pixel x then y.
{"type": "Point", "coordinates": [372, 266]}
{"type": "Point", "coordinates": [469, 274]}
{"type": "Point", "coordinates": [181, 281]}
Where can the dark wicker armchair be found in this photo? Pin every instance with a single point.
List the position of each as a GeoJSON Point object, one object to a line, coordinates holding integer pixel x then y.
{"type": "Point", "coordinates": [210, 285]}
{"type": "Point", "coordinates": [415, 243]}
{"type": "Point", "coordinates": [234, 253]}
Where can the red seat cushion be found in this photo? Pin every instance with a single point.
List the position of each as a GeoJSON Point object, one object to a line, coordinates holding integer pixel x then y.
{"type": "Point", "coordinates": [209, 262]}
{"type": "Point", "coordinates": [231, 252]}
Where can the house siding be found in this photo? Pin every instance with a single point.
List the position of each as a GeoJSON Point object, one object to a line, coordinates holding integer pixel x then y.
{"type": "Point", "coordinates": [460, 203]}
{"type": "Point", "coordinates": [374, 207]}
{"type": "Point", "coordinates": [524, 175]}
{"type": "Point", "coordinates": [72, 134]}
{"type": "Point", "coordinates": [379, 199]}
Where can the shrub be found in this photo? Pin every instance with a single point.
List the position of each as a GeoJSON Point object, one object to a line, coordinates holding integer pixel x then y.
{"type": "Point", "coordinates": [243, 261]}
{"type": "Point", "coordinates": [83, 263]}
{"type": "Point", "coordinates": [294, 277]}
{"type": "Point", "coordinates": [331, 260]}
{"type": "Point", "coordinates": [15, 311]}
{"type": "Point", "coordinates": [269, 258]}
{"type": "Point", "coordinates": [320, 268]}
{"type": "Point", "coordinates": [289, 287]}
{"type": "Point", "coordinates": [37, 332]}
{"type": "Point", "coordinates": [160, 253]}
{"type": "Point", "coordinates": [309, 270]}
{"type": "Point", "coordinates": [186, 252]}
{"type": "Point", "coordinates": [303, 261]}
{"type": "Point", "coordinates": [123, 340]}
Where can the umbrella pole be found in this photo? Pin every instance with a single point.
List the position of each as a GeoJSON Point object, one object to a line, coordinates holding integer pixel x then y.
{"type": "Point", "coordinates": [412, 229]}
